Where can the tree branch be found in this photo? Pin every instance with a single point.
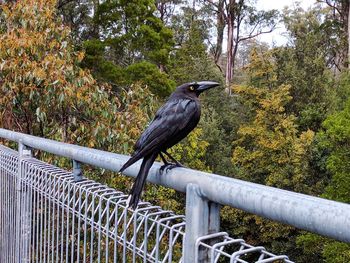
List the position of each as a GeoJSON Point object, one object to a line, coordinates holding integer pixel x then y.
{"type": "Point", "coordinates": [61, 4]}
{"type": "Point", "coordinates": [328, 2]}
{"type": "Point", "coordinates": [212, 3]}
{"type": "Point", "coordinates": [256, 34]}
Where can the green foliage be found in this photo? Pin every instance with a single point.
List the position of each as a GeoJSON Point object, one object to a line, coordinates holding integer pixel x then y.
{"type": "Point", "coordinates": [39, 69]}
{"type": "Point", "coordinates": [219, 124]}
{"type": "Point", "coordinates": [342, 92]}
{"type": "Point", "coordinates": [191, 151]}
{"type": "Point", "coordinates": [311, 245]}
{"type": "Point", "coordinates": [336, 252]}
{"type": "Point", "coordinates": [269, 149]}
{"type": "Point", "coordinates": [317, 247]}
{"type": "Point", "coordinates": [77, 15]}
{"type": "Point", "coordinates": [192, 21]}
{"type": "Point", "coordinates": [303, 66]}
{"type": "Point", "coordinates": [337, 135]}
{"type": "Point", "coordinates": [150, 75]}
{"type": "Point", "coordinates": [133, 31]}
{"type": "Point", "coordinates": [191, 62]}
{"type": "Point", "coordinates": [123, 76]}
{"type": "Point", "coordinates": [133, 46]}
{"type": "Point", "coordinates": [260, 232]}
{"type": "Point", "coordinates": [335, 26]}
{"type": "Point", "coordinates": [335, 139]}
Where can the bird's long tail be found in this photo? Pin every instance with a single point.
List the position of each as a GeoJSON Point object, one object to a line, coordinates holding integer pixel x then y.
{"type": "Point", "coordinates": [130, 162]}
{"type": "Point", "coordinates": [140, 180]}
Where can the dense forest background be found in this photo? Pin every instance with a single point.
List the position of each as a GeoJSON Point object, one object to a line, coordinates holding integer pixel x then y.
{"type": "Point", "coordinates": [93, 72]}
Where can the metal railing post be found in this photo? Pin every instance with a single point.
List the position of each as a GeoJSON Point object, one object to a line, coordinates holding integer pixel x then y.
{"type": "Point", "coordinates": [77, 171]}
{"type": "Point", "coordinates": [202, 218]}
{"type": "Point", "coordinates": [23, 217]}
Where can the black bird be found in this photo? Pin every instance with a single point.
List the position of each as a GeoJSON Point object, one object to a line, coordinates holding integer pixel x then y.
{"type": "Point", "coordinates": [173, 121]}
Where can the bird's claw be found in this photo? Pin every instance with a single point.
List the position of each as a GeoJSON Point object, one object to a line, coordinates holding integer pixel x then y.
{"type": "Point", "coordinates": [168, 166]}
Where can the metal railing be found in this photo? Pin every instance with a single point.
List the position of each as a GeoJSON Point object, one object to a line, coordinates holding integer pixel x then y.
{"type": "Point", "coordinates": [52, 215]}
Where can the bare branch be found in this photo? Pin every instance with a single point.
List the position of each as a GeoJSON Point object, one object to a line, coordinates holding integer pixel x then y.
{"type": "Point", "coordinates": [329, 3]}
{"type": "Point", "coordinates": [256, 34]}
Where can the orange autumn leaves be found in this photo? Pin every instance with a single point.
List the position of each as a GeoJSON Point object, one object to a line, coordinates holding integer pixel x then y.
{"type": "Point", "coordinates": [45, 92]}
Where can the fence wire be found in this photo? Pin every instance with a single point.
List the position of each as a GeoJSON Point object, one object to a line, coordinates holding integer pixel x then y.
{"type": "Point", "coordinates": [8, 205]}
{"type": "Point", "coordinates": [48, 217]}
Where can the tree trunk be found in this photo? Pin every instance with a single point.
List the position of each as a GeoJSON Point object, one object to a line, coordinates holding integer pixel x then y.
{"type": "Point", "coordinates": [230, 40]}
{"type": "Point", "coordinates": [344, 19]}
{"type": "Point", "coordinates": [220, 26]}
{"type": "Point", "coordinates": [161, 8]}
{"type": "Point", "coordinates": [234, 53]}
{"type": "Point", "coordinates": [228, 77]}
{"type": "Point", "coordinates": [95, 29]}
{"type": "Point", "coordinates": [348, 33]}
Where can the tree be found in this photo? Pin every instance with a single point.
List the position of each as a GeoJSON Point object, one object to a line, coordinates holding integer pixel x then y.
{"type": "Point", "coordinates": [304, 65]}
{"type": "Point", "coordinates": [166, 9]}
{"type": "Point", "coordinates": [130, 35]}
{"type": "Point", "coordinates": [270, 150]}
{"type": "Point", "coordinates": [335, 138]}
{"type": "Point", "coordinates": [190, 61]}
{"type": "Point", "coordinates": [339, 19]}
{"type": "Point", "coordinates": [77, 16]}
{"type": "Point", "coordinates": [243, 22]}
{"type": "Point", "coordinates": [121, 37]}
{"type": "Point", "coordinates": [44, 92]}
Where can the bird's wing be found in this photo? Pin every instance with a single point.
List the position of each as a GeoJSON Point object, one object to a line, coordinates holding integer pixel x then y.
{"type": "Point", "coordinates": [170, 119]}
{"type": "Point", "coordinates": [173, 121]}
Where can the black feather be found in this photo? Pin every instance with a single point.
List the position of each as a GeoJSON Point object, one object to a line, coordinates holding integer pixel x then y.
{"type": "Point", "coordinates": [172, 122]}
{"type": "Point", "coordinates": [140, 180]}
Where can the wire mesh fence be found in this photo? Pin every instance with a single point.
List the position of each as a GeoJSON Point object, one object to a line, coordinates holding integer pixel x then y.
{"type": "Point", "coordinates": [46, 216]}
{"type": "Point", "coordinates": [8, 180]}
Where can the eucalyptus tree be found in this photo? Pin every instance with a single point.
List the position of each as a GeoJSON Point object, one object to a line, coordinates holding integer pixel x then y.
{"type": "Point", "coordinates": [339, 19]}
{"type": "Point", "coordinates": [242, 22]}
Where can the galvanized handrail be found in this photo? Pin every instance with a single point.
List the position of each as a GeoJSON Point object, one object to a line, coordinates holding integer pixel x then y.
{"type": "Point", "coordinates": [49, 214]}
{"type": "Point", "coordinates": [207, 190]}
{"type": "Point", "coordinates": [306, 212]}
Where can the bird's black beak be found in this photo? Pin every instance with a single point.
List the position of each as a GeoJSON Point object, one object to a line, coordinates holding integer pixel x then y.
{"type": "Point", "coordinates": [205, 85]}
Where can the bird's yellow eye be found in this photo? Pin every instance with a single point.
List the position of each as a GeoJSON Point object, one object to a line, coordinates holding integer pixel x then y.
{"type": "Point", "coordinates": [191, 88]}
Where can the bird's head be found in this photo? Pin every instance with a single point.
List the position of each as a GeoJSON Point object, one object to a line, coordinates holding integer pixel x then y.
{"type": "Point", "coordinates": [196, 88]}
